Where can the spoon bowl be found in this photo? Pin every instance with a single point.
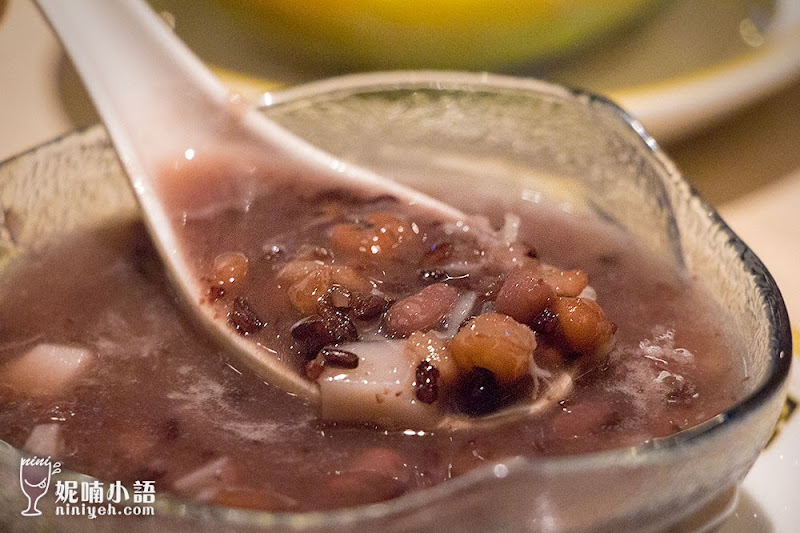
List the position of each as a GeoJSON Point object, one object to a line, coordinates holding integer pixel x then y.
{"type": "Point", "coordinates": [188, 144]}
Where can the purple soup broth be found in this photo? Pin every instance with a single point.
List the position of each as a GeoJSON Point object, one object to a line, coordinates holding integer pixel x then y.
{"type": "Point", "coordinates": [142, 394]}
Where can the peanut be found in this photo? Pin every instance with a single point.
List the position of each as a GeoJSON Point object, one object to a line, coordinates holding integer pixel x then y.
{"type": "Point", "coordinates": [306, 293]}
{"type": "Point", "coordinates": [294, 271]}
{"type": "Point", "coordinates": [495, 342]}
{"type": "Point", "coordinates": [524, 295]}
{"type": "Point", "coordinates": [585, 327]}
{"type": "Point", "coordinates": [309, 282]}
{"type": "Point", "coordinates": [380, 236]}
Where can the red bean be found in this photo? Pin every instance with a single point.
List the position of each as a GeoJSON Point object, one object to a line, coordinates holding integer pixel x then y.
{"type": "Point", "coordinates": [421, 311]}
{"type": "Point", "coordinates": [374, 475]}
{"type": "Point", "coordinates": [524, 295]}
{"type": "Point", "coordinates": [383, 460]}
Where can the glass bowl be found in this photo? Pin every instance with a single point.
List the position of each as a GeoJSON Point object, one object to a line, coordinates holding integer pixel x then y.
{"type": "Point", "coordinates": [495, 136]}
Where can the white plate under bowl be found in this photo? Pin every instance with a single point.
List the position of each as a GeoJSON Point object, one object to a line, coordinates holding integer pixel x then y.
{"type": "Point", "coordinates": [694, 62]}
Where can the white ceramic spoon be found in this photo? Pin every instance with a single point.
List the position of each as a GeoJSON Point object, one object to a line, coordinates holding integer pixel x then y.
{"type": "Point", "coordinates": [161, 106]}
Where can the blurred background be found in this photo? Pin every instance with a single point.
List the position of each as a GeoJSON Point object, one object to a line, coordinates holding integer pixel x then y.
{"type": "Point", "coordinates": [652, 55]}
{"type": "Point", "coordinates": [681, 66]}
{"type": "Point", "coordinates": [716, 82]}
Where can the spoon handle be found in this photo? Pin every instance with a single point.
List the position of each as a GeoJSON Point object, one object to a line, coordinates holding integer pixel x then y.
{"type": "Point", "coordinates": [160, 105]}
{"type": "Point", "coordinates": [141, 77]}
{"type": "Point", "coordinates": [158, 101]}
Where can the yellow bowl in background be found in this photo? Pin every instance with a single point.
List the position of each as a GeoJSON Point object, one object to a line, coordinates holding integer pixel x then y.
{"type": "Point", "coordinates": [465, 34]}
